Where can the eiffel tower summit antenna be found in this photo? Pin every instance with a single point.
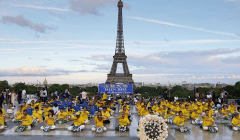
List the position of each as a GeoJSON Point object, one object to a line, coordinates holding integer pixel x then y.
{"type": "Point", "coordinates": [119, 56]}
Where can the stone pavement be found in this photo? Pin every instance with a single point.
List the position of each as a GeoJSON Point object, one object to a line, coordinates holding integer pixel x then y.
{"type": "Point", "coordinates": [62, 133]}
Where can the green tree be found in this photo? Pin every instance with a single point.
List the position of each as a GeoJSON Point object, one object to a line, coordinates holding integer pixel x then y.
{"type": "Point", "coordinates": [3, 85]}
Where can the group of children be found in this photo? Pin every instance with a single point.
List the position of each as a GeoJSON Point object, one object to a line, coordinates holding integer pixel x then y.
{"type": "Point", "coordinates": [62, 111]}
{"type": "Point", "coordinates": [199, 112]}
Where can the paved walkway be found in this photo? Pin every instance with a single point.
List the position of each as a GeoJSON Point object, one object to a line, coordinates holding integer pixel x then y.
{"type": "Point", "coordinates": [62, 133]}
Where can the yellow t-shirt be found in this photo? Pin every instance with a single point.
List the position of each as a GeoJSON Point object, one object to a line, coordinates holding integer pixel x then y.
{"type": "Point", "coordinates": [186, 112]}
{"type": "Point", "coordinates": [37, 114]}
{"type": "Point", "coordinates": [104, 96]}
{"type": "Point", "coordinates": [236, 122]}
{"type": "Point", "coordinates": [78, 121]}
{"type": "Point", "coordinates": [105, 114]}
{"type": "Point", "coordinates": [207, 121]}
{"type": "Point", "coordinates": [191, 106]}
{"type": "Point", "coordinates": [232, 109]}
{"type": "Point", "coordinates": [24, 107]}
{"type": "Point", "coordinates": [159, 109]}
{"type": "Point", "coordinates": [19, 113]}
{"type": "Point", "coordinates": [2, 120]}
{"type": "Point", "coordinates": [70, 113]}
{"type": "Point", "coordinates": [154, 108]}
{"type": "Point", "coordinates": [199, 109]}
{"type": "Point", "coordinates": [195, 115]}
{"type": "Point", "coordinates": [98, 122]}
{"type": "Point", "coordinates": [167, 115]}
{"type": "Point", "coordinates": [210, 112]}
{"type": "Point", "coordinates": [3, 111]}
{"type": "Point", "coordinates": [27, 121]}
{"type": "Point", "coordinates": [62, 115]}
{"type": "Point", "coordinates": [123, 122]}
{"type": "Point", "coordinates": [163, 103]}
{"type": "Point", "coordinates": [143, 112]}
{"type": "Point", "coordinates": [50, 120]}
{"type": "Point", "coordinates": [84, 115]}
{"type": "Point", "coordinates": [225, 111]}
{"type": "Point", "coordinates": [178, 120]}
{"type": "Point", "coordinates": [46, 110]}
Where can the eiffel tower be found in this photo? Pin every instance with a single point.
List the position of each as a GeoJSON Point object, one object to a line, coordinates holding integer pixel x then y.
{"type": "Point", "coordinates": [119, 56]}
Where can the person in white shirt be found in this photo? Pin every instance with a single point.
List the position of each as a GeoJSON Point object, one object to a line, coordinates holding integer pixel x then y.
{"type": "Point", "coordinates": [84, 95]}
{"type": "Point", "coordinates": [24, 95]}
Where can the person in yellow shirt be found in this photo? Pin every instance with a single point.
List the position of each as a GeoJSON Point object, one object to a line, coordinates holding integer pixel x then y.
{"type": "Point", "coordinates": [98, 121]}
{"type": "Point", "coordinates": [144, 111]}
{"type": "Point", "coordinates": [70, 111]}
{"type": "Point", "coordinates": [208, 121]}
{"type": "Point", "coordinates": [77, 121]}
{"type": "Point", "coordinates": [62, 115]}
{"type": "Point", "coordinates": [186, 112]}
{"type": "Point", "coordinates": [123, 122]}
{"type": "Point", "coordinates": [168, 117]}
{"type": "Point", "coordinates": [26, 120]}
{"type": "Point", "coordinates": [84, 114]}
{"type": "Point", "coordinates": [37, 115]}
{"type": "Point", "coordinates": [126, 112]}
{"type": "Point", "coordinates": [159, 109]}
{"type": "Point", "coordinates": [46, 109]}
{"type": "Point", "coordinates": [49, 120]}
{"type": "Point", "coordinates": [164, 110]}
{"type": "Point", "coordinates": [154, 107]}
{"type": "Point", "coordinates": [199, 108]}
{"type": "Point", "coordinates": [232, 108]}
{"type": "Point", "coordinates": [105, 115]}
{"type": "Point", "coordinates": [236, 123]}
{"type": "Point", "coordinates": [179, 121]}
{"type": "Point", "coordinates": [24, 106]}
{"type": "Point", "coordinates": [2, 118]}
{"type": "Point", "coordinates": [174, 107]}
{"type": "Point", "coordinates": [225, 111]}
{"type": "Point", "coordinates": [195, 116]}
{"type": "Point", "coordinates": [3, 111]}
{"type": "Point", "coordinates": [205, 106]}
{"type": "Point", "coordinates": [191, 106]}
{"type": "Point", "coordinates": [163, 102]}
{"type": "Point", "coordinates": [104, 96]}
{"type": "Point", "coordinates": [211, 113]}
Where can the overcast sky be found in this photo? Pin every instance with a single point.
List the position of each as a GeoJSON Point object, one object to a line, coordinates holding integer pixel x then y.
{"type": "Point", "coordinates": [73, 41]}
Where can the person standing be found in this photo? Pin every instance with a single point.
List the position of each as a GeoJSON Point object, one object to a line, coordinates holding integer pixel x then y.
{"type": "Point", "coordinates": [13, 98]}
{"type": "Point", "coordinates": [225, 96]}
{"type": "Point", "coordinates": [1, 98]}
{"type": "Point", "coordinates": [24, 94]}
{"type": "Point", "coordinates": [19, 96]}
{"type": "Point", "coordinates": [45, 95]}
{"type": "Point", "coordinates": [84, 95]}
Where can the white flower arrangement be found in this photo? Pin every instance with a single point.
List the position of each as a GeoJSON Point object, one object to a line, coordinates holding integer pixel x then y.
{"type": "Point", "coordinates": [152, 127]}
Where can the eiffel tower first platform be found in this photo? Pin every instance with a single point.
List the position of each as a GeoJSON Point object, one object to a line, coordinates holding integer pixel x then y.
{"type": "Point", "coordinates": [119, 56]}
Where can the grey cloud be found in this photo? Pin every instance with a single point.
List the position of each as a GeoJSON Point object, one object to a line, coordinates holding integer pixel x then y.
{"type": "Point", "coordinates": [36, 71]}
{"type": "Point", "coordinates": [180, 62]}
{"type": "Point", "coordinates": [74, 60]}
{"type": "Point", "coordinates": [23, 22]}
{"type": "Point", "coordinates": [85, 7]}
{"type": "Point", "coordinates": [56, 15]}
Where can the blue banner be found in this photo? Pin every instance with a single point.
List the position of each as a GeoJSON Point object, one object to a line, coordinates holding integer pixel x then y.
{"type": "Point", "coordinates": [115, 88]}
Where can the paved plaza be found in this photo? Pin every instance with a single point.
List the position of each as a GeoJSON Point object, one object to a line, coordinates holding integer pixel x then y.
{"type": "Point", "coordinates": [61, 133]}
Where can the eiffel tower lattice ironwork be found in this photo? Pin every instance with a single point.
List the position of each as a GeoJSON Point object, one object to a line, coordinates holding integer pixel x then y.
{"type": "Point", "coordinates": [119, 56]}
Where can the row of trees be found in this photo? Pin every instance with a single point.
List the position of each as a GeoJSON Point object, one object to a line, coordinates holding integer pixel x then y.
{"type": "Point", "coordinates": [234, 91]}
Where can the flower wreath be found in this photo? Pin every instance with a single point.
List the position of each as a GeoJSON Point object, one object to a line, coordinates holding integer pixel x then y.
{"type": "Point", "coordinates": [152, 127]}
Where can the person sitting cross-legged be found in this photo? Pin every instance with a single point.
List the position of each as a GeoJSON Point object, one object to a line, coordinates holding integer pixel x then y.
{"type": "Point", "coordinates": [98, 122]}
{"type": "Point", "coordinates": [208, 122]}
{"type": "Point", "coordinates": [179, 121]}
{"type": "Point", "coordinates": [49, 120]}
{"type": "Point", "coordinates": [2, 118]}
{"type": "Point", "coordinates": [26, 120]}
{"type": "Point", "coordinates": [123, 122]}
{"type": "Point", "coordinates": [77, 121]}
{"type": "Point", "coordinates": [236, 123]}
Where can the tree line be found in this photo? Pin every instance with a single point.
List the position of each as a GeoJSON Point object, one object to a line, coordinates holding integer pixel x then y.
{"type": "Point", "coordinates": [145, 91]}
